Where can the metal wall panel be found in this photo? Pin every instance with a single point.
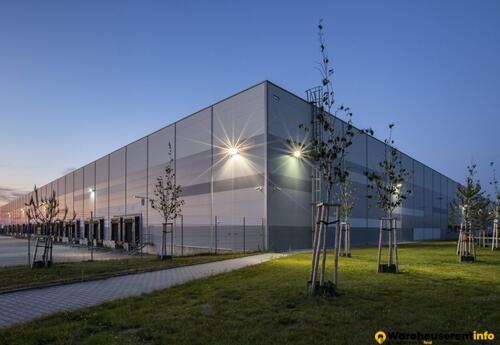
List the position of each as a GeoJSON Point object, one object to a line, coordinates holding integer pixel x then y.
{"type": "Point", "coordinates": [418, 194]}
{"type": "Point", "coordinates": [89, 197]}
{"type": "Point", "coordinates": [444, 204]}
{"type": "Point", "coordinates": [428, 197]}
{"type": "Point", "coordinates": [69, 194]}
{"type": "Point", "coordinates": [61, 192]}
{"type": "Point", "coordinates": [78, 193]}
{"type": "Point", "coordinates": [436, 200]}
{"type": "Point", "coordinates": [101, 188]}
{"type": "Point", "coordinates": [137, 160]}
{"type": "Point", "coordinates": [117, 183]}
{"type": "Point", "coordinates": [356, 161]}
{"type": "Point", "coordinates": [289, 182]}
{"type": "Point", "coordinates": [407, 213]}
{"type": "Point", "coordinates": [376, 153]}
{"type": "Point", "coordinates": [158, 156]}
{"type": "Point", "coordinates": [193, 161]}
{"type": "Point", "coordinates": [239, 122]}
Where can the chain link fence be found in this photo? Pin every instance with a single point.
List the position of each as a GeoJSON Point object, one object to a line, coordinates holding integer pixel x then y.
{"type": "Point", "coordinates": [194, 235]}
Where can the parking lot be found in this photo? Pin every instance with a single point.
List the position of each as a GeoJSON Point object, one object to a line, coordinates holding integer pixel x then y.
{"type": "Point", "coordinates": [14, 252]}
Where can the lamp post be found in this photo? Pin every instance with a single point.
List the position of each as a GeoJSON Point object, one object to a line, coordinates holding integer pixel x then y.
{"type": "Point", "coordinates": [29, 236]}
{"type": "Point", "coordinates": [143, 203]}
{"type": "Point", "coordinates": [91, 225]}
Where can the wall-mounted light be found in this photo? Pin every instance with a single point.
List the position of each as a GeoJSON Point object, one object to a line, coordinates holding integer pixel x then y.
{"type": "Point", "coordinates": [91, 191]}
{"type": "Point", "coordinates": [142, 198]}
{"type": "Point", "coordinates": [297, 153]}
{"type": "Point", "coordinates": [233, 151]}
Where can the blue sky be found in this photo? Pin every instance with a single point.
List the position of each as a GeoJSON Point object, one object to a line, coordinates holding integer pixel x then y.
{"type": "Point", "coordinates": [79, 79]}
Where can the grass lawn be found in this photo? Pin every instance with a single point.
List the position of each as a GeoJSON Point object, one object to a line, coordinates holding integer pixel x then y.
{"type": "Point", "coordinates": [23, 276]}
{"type": "Point", "coordinates": [268, 304]}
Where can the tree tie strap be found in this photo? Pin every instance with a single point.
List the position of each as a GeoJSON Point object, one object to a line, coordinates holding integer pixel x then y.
{"type": "Point", "coordinates": [327, 223]}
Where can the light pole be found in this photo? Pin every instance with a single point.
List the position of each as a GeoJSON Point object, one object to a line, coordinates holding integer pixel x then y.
{"type": "Point", "coordinates": [29, 236]}
{"type": "Point", "coordinates": [91, 227]}
{"type": "Point", "coordinates": [143, 203]}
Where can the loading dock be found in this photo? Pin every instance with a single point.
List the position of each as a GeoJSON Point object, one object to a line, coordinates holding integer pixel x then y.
{"type": "Point", "coordinates": [116, 231]}
{"type": "Point", "coordinates": [98, 231]}
{"type": "Point", "coordinates": [132, 231]}
{"type": "Point", "coordinates": [73, 229]}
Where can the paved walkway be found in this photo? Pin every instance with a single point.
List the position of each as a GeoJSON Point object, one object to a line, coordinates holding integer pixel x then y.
{"type": "Point", "coordinates": [23, 306]}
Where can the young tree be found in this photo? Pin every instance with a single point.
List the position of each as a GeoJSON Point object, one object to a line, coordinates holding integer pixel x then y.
{"type": "Point", "coordinates": [328, 145]}
{"type": "Point", "coordinates": [388, 187]}
{"type": "Point", "coordinates": [496, 207]}
{"type": "Point", "coordinates": [470, 200]}
{"type": "Point", "coordinates": [167, 200]}
{"type": "Point", "coordinates": [43, 212]}
{"type": "Point", "coordinates": [330, 136]}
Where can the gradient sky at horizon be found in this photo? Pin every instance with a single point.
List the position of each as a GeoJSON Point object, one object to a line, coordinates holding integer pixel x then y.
{"type": "Point", "coordinates": [79, 79]}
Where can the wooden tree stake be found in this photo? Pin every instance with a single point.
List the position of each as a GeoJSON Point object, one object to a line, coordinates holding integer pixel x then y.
{"type": "Point", "coordinates": [388, 225]}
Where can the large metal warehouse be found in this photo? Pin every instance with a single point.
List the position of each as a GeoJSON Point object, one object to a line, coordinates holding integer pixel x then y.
{"type": "Point", "coordinates": [241, 184]}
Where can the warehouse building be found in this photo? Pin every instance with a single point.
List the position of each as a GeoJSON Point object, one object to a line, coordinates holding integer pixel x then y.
{"type": "Point", "coordinates": [242, 184]}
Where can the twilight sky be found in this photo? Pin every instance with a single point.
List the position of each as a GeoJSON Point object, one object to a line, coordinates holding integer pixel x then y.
{"type": "Point", "coordinates": [78, 79]}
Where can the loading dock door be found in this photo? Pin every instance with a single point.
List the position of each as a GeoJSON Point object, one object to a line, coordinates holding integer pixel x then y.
{"type": "Point", "coordinates": [116, 230]}
{"type": "Point", "coordinates": [132, 226]}
{"type": "Point", "coordinates": [129, 228]}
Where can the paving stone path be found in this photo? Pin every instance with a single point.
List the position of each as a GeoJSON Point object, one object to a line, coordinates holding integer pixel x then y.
{"type": "Point", "coordinates": [23, 306]}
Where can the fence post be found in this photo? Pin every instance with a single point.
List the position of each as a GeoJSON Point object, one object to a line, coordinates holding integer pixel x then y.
{"type": "Point", "coordinates": [29, 244]}
{"type": "Point", "coordinates": [244, 237]}
{"type": "Point", "coordinates": [164, 241]}
{"type": "Point", "coordinates": [182, 235]}
{"type": "Point", "coordinates": [172, 239]}
{"type": "Point", "coordinates": [262, 235]}
{"type": "Point", "coordinates": [215, 237]}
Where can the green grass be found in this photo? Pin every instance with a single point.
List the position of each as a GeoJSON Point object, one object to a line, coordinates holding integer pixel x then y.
{"type": "Point", "coordinates": [268, 304]}
{"type": "Point", "coordinates": [24, 277]}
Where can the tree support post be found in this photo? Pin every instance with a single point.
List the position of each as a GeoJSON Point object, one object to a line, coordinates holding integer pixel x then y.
{"type": "Point", "coordinates": [345, 239]}
{"type": "Point", "coordinates": [319, 255]}
{"type": "Point", "coordinates": [389, 226]}
{"type": "Point", "coordinates": [164, 255]}
{"type": "Point", "coordinates": [494, 237]}
{"type": "Point", "coordinates": [466, 247]}
{"type": "Point", "coordinates": [244, 235]}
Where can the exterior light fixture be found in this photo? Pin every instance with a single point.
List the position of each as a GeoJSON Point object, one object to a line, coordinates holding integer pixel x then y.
{"type": "Point", "coordinates": [297, 153]}
{"type": "Point", "coordinates": [143, 199]}
{"type": "Point", "coordinates": [233, 151]}
{"type": "Point", "coordinates": [399, 185]}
